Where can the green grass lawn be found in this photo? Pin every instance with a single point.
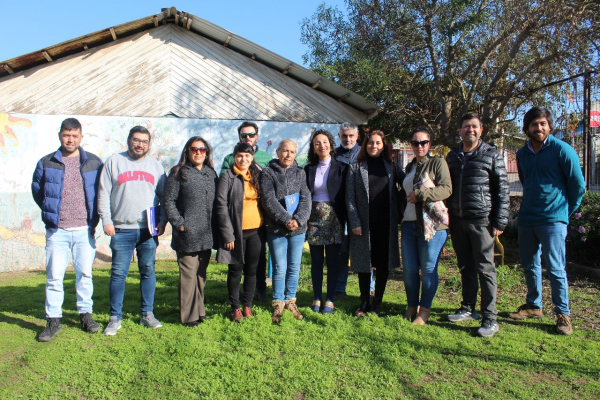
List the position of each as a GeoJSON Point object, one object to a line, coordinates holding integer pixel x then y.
{"type": "Point", "coordinates": [321, 357]}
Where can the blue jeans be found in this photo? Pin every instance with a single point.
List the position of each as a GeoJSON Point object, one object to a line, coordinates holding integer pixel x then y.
{"type": "Point", "coordinates": [286, 253]}
{"type": "Point", "coordinates": [546, 241]}
{"type": "Point", "coordinates": [417, 253]}
{"type": "Point", "coordinates": [60, 246]}
{"type": "Point", "coordinates": [317, 258]}
{"type": "Point", "coordinates": [122, 245]}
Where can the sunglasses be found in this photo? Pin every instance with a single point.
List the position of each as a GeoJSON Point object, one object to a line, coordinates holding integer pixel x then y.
{"type": "Point", "coordinates": [251, 135]}
{"type": "Point", "coordinates": [202, 150]}
{"type": "Point", "coordinates": [416, 143]}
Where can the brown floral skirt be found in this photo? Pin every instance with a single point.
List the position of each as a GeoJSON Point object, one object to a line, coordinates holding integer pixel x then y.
{"type": "Point", "coordinates": [323, 225]}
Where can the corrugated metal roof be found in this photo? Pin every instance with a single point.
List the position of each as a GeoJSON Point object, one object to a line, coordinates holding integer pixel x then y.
{"type": "Point", "coordinates": [199, 26]}
{"type": "Point", "coordinates": [163, 71]}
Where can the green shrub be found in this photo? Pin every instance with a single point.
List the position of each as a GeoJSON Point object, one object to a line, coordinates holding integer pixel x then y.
{"type": "Point", "coordinates": [583, 235]}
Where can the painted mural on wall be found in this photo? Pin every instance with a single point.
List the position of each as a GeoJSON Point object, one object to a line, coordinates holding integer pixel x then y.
{"type": "Point", "coordinates": [24, 139]}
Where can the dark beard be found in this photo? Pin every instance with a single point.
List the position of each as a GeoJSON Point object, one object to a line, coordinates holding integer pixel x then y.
{"type": "Point", "coordinates": [134, 156]}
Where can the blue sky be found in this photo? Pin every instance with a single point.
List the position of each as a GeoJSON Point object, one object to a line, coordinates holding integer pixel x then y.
{"type": "Point", "coordinates": [29, 26]}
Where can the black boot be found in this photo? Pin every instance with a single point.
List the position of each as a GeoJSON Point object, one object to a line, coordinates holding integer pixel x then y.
{"type": "Point", "coordinates": [52, 328]}
{"type": "Point", "coordinates": [365, 306]}
{"type": "Point", "coordinates": [88, 324]}
{"type": "Point", "coordinates": [376, 305]}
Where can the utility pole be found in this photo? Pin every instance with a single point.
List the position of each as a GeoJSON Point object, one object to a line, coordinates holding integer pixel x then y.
{"type": "Point", "coordinates": [587, 142]}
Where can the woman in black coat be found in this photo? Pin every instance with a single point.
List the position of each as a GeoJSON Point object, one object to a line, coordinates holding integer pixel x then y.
{"type": "Point", "coordinates": [371, 198]}
{"type": "Point", "coordinates": [239, 217]}
{"type": "Point", "coordinates": [188, 200]}
{"type": "Point", "coordinates": [325, 178]}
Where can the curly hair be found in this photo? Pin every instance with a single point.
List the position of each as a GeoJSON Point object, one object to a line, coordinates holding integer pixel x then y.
{"type": "Point", "coordinates": [312, 157]}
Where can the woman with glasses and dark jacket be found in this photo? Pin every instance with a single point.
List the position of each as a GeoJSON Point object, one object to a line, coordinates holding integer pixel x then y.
{"type": "Point", "coordinates": [239, 218]}
{"type": "Point", "coordinates": [326, 180]}
{"type": "Point", "coordinates": [372, 201]}
{"type": "Point", "coordinates": [189, 200]}
{"type": "Point", "coordinates": [427, 180]}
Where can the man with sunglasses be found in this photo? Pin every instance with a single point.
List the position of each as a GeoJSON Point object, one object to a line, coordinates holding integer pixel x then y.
{"type": "Point", "coordinates": [130, 184]}
{"type": "Point", "coordinates": [478, 209]}
{"type": "Point", "coordinates": [248, 133]}
{"type": "Point", "coordinates": [64, 186]}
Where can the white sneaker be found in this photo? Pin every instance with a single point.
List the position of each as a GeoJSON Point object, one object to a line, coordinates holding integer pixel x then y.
{"type": "Point", "coordinates": [114, 324]}
{"type": "Point", "coordinates": [488, 328]}
{"type": "Point", "coordinates": [149, 321]}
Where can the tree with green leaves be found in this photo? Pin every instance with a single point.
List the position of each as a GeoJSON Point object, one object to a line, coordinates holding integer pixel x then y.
{"type": "Point", "coordinates": [426, 62]}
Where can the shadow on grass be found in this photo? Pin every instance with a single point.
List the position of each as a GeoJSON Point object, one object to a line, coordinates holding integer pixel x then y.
{"type": "Point", "coordinates": [372, 347]}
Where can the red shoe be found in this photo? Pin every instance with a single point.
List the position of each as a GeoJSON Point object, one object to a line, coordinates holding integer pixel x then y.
{"type": "Point", "coordinates": [247, 312]}
{"type": "Point", "coordinates": [236, 315]}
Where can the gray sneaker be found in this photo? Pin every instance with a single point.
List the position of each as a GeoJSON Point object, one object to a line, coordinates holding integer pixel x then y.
{"type": "Point", "coordinates": [114, 324]}
{"type": "Point", "coordinates": [488, 328]}
{"type": "Point", "coordinates": [464, 313]}
{"type": "Point", "coordinates": [149, 321]}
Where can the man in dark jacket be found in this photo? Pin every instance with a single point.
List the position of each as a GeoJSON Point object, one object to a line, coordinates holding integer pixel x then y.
{"type": "Point", "coordinates": [346, 153]}
{"type": "Point", "coordinates": [478, 209]}
{"type": "Point", "coordinates": [64, 186]}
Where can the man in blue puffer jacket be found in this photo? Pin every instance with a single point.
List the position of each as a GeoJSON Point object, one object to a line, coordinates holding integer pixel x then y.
{"type": "Point", "coordinates": [64, 186]}
{"type": "Point", "coordinates": [553, 187]}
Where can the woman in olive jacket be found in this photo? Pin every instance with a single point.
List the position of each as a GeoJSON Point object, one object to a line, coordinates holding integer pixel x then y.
{"type": "Point", "coordinates": [418, 253]}
{"type": "Point", "coordinates": [189, 200]}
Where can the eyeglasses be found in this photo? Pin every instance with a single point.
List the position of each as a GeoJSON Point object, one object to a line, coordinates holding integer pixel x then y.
{"type": "Point", "coordinates": [202, 150]}
{"type": "Point", "coordinates": [140, 141]}
{"type": "Point", "coordinates": [251, 135]}
{"type": "Point", "coordinates": [416, 143]}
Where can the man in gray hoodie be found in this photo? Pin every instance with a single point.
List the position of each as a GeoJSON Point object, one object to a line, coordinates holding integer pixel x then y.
{"type": "Point", "coordinates": [132, 183]}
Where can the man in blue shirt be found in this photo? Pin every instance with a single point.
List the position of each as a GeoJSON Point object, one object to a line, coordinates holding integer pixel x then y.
{"type": "Point", "coordinates": [553, 186]}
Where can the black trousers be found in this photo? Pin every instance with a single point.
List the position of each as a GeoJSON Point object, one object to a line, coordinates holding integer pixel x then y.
{"type": "Point", "coordinates": [261, 269]}
{"type": "Point", "coordinates": [364, 283]}
{"type": "Point", "coordinates": [474, 246]}
{"type": "Point", "coordinates": [252, 247]}
{"type": "Point", "coordinates": [379, 235]}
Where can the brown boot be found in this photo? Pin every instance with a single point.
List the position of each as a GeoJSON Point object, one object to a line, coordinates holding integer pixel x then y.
{"type": "Point", "coordinates": [247, 312]}
{"type": "Point", "coordinates": [278, 307]}
{"type": "Point", "coordinates": [291, 305]}
{"type": "Point", "coordinates": [527, 311]}
{"type": "Point", "coordinates": [563, 324]}
{"type": "Point", "coordinates": [236, 315]}
{"type": "Point", "coordinates": [411, 313]}
{"type": "Point", "coordinates": [422, 317]}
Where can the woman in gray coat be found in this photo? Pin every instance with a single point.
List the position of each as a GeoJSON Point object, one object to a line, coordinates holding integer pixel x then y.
{"type": "Point", "coordinates": [239, 217]}
{"type": "Point", "coordinates": [371, 199]}
{"type": "Point", "coordinates": [189, 200]}
{"type": "Point", "coordinates": [286, 202]}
